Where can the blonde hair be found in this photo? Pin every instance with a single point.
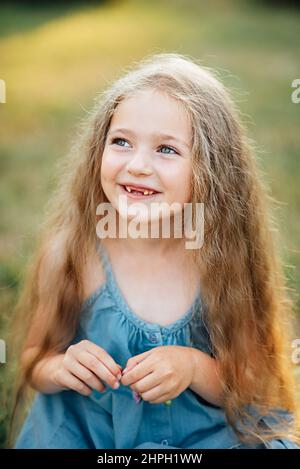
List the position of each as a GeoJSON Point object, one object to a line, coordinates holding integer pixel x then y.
{"type": "Point", "coordinates": [245, 303]}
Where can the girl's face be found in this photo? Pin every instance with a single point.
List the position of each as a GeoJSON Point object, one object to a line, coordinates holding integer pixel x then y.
{"type": "Point", "coordinates": [148, 146]}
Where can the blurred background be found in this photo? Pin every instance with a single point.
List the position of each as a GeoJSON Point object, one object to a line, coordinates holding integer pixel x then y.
{"type": "Point", "coordinates": [55, 58]}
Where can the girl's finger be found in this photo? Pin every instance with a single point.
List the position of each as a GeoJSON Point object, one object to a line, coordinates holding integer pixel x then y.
{"type": "Point", "coordinates": [155, 393]}
{"type": "Point", "coordinates": [136, 360]}
{"type": "Point", "coordinates": [164, 399]}
{"type": "Point", "coordinates": [97, 367]}
{"type": "Point", "coordinates": [104, 357]}
{"type": "Point", "coordinates": [85, 375]}
{"type": "Point", "coordinates": [71, 382]}
{"type": "Point", "coordinates": [146, 383]}
{"type": "Point", "coordinates": [137, 373]}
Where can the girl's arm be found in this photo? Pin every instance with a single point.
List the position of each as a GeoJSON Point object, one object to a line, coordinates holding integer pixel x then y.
{"type": "Point", "coordinates": [83, 367]}
{"type": "Point", "coordinates": [206, 381]}
{"type": "Point", "coordinates": [42, 374]}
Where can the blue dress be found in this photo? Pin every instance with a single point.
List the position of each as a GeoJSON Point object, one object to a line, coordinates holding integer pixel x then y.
{"type": "Point", "coordinates": [113, 419]}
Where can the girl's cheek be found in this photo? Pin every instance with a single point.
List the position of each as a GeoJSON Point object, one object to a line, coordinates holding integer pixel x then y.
{"type": "Point", "coordinates": [110, 169]}
{"type": "Point", "coordinates": [177, 184]}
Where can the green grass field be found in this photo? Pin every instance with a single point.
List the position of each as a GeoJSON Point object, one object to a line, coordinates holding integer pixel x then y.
{"type": "Point", "coordinates": [55, 59]}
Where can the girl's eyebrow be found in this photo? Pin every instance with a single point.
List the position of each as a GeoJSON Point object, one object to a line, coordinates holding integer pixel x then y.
{"type": "Point", "coordinates": [158, 135]}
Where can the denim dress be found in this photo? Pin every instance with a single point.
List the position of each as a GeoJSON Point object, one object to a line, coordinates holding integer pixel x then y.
{"type": "Point", "coordinates": [114, 419]}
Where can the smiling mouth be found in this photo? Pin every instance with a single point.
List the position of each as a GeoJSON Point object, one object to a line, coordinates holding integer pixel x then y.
{"type": "Point", "coordinates": [142, 193]}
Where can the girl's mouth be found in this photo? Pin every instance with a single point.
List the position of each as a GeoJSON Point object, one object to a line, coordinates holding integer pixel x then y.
{"type": "Point", "coordinates": [141, 194]}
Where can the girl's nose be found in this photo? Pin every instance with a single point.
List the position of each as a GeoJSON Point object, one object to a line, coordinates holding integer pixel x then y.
{"type": "Point", "coordinates": [136, 171]}
{"type": "Point", "coordinates": [139, 164]}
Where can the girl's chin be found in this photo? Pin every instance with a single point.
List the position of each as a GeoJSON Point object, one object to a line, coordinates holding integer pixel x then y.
{"type": "Point", "coordinates": [137, 215]}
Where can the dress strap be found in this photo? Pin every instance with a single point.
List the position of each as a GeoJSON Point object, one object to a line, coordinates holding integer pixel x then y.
{"type": "Point", "coordinates": [105, 261]}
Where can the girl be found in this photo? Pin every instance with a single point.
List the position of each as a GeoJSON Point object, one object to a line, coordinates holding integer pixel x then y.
{"type": "Point", "coordinates": [138, 342]}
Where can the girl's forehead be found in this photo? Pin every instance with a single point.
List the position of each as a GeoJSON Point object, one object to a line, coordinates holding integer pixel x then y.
{"type": "Point", "coordinates": [152, 109]}
{"type": "Point", "coordinates": [150, 95]}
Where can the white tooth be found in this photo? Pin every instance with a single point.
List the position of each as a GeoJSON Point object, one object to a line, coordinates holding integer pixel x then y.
{"type": "Point", "coordinates": [128, 189]}
{"type": "Point", "coordinates": [150, 192]}
{"type": "Point", "coordinates": [145, 192]}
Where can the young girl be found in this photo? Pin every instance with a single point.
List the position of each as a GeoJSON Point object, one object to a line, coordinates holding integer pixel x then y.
{"type": "Point", "coordinates": [139, 342]}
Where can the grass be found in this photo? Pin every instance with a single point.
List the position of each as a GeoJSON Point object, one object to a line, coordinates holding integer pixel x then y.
{"type": "Point", "coordinates": [55, 59]}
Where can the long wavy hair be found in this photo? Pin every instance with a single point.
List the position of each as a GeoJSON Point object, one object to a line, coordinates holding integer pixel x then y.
{"type": "Point", "coordinates": [246, 303]}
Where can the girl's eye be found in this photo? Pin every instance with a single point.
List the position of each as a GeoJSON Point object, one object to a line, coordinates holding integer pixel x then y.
{"type": "Point", "coordinates": [115, 140]}
{"type": "Point", "coordinates": [169, 148]}
{"type": "Point", "coordinates": [120, 142]}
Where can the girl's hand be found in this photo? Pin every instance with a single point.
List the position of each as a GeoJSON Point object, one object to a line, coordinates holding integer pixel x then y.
{"type": "Point", "coordinates": [84, 366]}
{"type": "Point", "coordinates": [160, 374]}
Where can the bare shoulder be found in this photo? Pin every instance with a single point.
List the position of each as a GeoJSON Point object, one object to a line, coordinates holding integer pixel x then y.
{"type": "Point", "coordinates": [93, 274]}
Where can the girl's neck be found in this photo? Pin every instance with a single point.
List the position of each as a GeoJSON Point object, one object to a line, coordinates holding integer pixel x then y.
{"type": "Point", "coordinates": [168, 248]}
{"type": "Point", "coordinates": [143, 248]}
